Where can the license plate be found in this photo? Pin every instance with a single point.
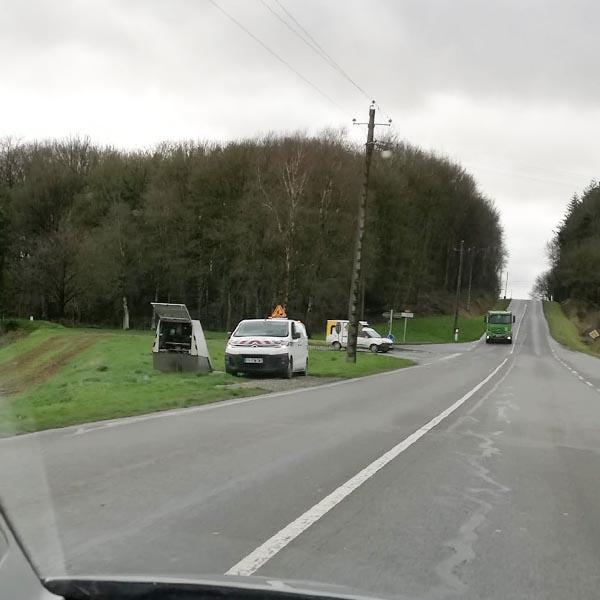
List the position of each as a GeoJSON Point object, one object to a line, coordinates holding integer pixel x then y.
{"type": "Point", "coordinates": [255, 361]}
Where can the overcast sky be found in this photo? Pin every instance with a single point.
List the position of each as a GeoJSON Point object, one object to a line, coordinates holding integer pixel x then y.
{"type": "Point", "coordinates": [507, 88]}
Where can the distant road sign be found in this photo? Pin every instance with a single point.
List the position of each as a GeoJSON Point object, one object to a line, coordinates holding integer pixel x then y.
{"type": "Point", "coordinates": [406, 315]}
{"type": "Point", "coordinates": [386, 315]}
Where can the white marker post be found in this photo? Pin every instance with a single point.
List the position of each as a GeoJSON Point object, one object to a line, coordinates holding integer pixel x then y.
{"type": "Point", "coordinates": [406, 315]}
{"type": "Point", "coordinates": [390, 316]}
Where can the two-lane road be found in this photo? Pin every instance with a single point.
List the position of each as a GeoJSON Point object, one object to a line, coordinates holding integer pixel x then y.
{"type": "Point", "coordinates": [475, 476]}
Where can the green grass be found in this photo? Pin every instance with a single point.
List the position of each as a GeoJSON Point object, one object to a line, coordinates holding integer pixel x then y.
{"type": "Point", "coordinates": [432, 329]}
{"type": "Point", "coordinates": [437, 329]}
{"type": "Point", "coordinates": [501, 304]}
{"type": "Point", "coordinates": [114, 378]}
{"type": "Point", "coordinates": [27, 326]}
{"type": "Point", "coordinates": [563, 330]}
{"type": "Point", "coordinates": [333, 364]}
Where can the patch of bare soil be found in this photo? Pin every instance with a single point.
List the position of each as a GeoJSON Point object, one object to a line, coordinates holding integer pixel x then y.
{"type": "Point", "coordinates": [24, 381]}
{"type": "Point", "coordinates": [22, 361]}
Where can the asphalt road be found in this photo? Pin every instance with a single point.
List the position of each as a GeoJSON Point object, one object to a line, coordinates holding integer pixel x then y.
{"type": "Point", "coordinates": [473, 475]}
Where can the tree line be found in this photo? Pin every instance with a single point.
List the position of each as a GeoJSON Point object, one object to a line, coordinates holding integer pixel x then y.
{"type": "Point", "coordinates": [574, 252]}
{"type": "Point", "coordinates": [92, 234]}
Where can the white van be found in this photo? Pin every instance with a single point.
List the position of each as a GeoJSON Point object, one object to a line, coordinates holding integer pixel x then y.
{"type": "Point", "coordinates": [336, 335]}
{"type": "Point", "coordinates": [278, 346]}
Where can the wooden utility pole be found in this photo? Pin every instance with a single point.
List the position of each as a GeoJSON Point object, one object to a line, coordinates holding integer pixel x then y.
{"type": "Point", "coordinates": [358, 244]}
{"type": "Point", "coordinates": [458, 280]}
{"type": "Point", "coordinates": [472, 251]}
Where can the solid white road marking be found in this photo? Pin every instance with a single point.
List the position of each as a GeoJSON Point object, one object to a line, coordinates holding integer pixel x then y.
{"type": "Point", "coordinates": [518, 329]}
{"type": "Point", "coordinates": [258, 557]}
{"type": "Point", "coordinates": [449, 356]}
{"type": "Point", "coordinates": [76, 430]}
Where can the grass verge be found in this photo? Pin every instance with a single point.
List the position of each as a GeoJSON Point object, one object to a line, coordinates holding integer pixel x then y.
{"type": "Point", "coordinates": [109, 374]}
{"type": "Point", "coordinates": [333, 364]}
{"type": "Point", "coordinates": [438, 329]}
{"type": "Point", "coordinates": [563, 330]}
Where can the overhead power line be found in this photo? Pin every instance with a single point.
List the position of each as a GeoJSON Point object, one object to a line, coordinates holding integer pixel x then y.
{"type": "Point", "coordinates": [275, 55]}
{"type": "Point", "coordinates": [310, 41]}
{"type": "Point", "coordinates": [294, 31]}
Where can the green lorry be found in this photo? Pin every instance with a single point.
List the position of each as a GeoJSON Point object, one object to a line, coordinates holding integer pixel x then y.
{"type": "Point", "coordinates": [498, 326]}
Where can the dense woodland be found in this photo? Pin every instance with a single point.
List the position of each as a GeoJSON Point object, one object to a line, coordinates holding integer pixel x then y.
{"type": "Point", "coordinates": [574, 252]}
{"type": "Point", "coordinates": [92, 235]}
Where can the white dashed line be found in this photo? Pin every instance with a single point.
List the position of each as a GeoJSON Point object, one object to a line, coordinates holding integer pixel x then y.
{"type": "Point", "coordinates": [574, 372]}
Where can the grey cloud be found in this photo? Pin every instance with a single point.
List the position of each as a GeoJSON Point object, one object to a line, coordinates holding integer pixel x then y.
{"type": "Point", "coordinates": [497, 84]}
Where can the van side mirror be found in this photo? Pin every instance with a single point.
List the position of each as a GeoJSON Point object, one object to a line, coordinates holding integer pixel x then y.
{"type": "Point", "coordinates": [296, 335]}
{"type": "Point", "coordinates": [514, 319]}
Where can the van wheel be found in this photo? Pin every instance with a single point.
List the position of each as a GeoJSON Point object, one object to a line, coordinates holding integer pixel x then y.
{"type": "Point", "coordinates": [373, 348]}
{"type": "Point", "coordinates": [336, 346]}
{"type": "Point", "coordinates": [290, 369]}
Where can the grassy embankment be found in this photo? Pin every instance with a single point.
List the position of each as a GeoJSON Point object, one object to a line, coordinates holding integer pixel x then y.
{"type": "Point", "coordinates": [432, 329]}
{"type": "Point", "coordinates": [438, 329]}
{"type": "Point", "coordinates": [51, 376]}
{"type": "Point", "coordinates": [565, 331]}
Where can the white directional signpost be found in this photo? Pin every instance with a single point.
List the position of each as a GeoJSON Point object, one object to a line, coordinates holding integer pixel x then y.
{"type": "Point", "coordinates": [406, 316]}
{"type": "Point", "coordinates": [391, 315]}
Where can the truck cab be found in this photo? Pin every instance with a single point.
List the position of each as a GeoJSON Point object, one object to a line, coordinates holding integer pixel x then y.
{"type": "Point", "coordinates": [498, 326]}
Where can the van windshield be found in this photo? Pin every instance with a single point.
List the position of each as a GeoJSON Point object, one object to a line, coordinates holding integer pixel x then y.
{"type": "Point", "coordinates": [499, 319]}
{"type": "Point", "coordinates": [368, 332]}
{"type": "Point", "coordinates": [268, 328]}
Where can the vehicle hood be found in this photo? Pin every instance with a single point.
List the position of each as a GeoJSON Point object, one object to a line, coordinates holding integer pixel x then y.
{"type": "Point", "coordinates": [382, 340]}
{"type": "Point", "coordinates": [218, 587]}
{"type": "Point", "coordinates": [257, 341]}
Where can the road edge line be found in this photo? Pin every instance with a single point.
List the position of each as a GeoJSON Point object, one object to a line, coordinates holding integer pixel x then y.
{"type": "Point", "coordinates": [91, 426]}
{"type": "Point", "coordinates": [272, 546]}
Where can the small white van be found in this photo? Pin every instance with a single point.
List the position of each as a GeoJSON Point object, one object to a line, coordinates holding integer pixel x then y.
{"type": "Point", "coordinates": [277, 346]}
{"type": "Point", "coordinates": [336, 336]}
